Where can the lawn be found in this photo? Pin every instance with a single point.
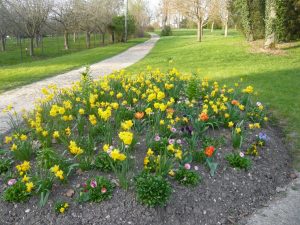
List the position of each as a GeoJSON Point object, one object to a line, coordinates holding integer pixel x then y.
{"type": "Point", "coordinates": [275, 77]}
{"type": "Point", "coordinates": [16, 75]}
{"type": "Point", "coordinates": [17, 51]}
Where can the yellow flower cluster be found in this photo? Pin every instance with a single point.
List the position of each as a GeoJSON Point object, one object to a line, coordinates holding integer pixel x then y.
{"type": "Point", "coordinates": [74, 149]}
{"type": "Point", "coordinates": [117, 155]}
{"type": "Point", "coordinates": [57, 172]}
{"type": "Point", "coordinates": [126, 137]}
{"type": "Point", "coordinates": [24, 167]}
{"type": "Point", "coordinates": [126, 125]}
{"type": "Point", "coordinates": [105, 114]}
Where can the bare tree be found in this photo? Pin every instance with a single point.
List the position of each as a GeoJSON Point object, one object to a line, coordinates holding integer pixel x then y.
{"type": "Point", "coordinates": [141, 13]}
{"type": "Point", "coordinates": [4, 25]}
{"type": "Point", "coordinates": [224, 14]}
{"type": "Point", "coordinates": [63, 13]}
{"type": "Point", "coordinates": [196, 10]}
{"type": "Point", "coordinates": [30, 16]}
{"type": "Point", "coordinates": [102, 13]}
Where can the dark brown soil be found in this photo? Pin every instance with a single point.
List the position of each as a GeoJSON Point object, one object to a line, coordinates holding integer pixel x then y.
{"type": "Point", "coordinates": [223, 199]}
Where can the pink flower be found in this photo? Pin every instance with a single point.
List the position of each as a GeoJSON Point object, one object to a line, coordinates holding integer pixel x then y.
{"type": "Point", "coordinates": [187, 166]}
{"type": "Point", "coordinates": [157, 138]}
{"type": "Point", "coordinates": [242, 154]}
{"type": "Point", "coordinates": [173, 129]}
{"type": "Point", "coordinates": [11, 182]}
{"type": "Point", "coordinates": [171, 141]}
{"type": "Point", "coordinates": [103, 190]}
{"type": "Point", "coordinates": [93, 183]}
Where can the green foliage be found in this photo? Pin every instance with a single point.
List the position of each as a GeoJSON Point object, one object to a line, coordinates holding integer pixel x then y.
{"type": "Point", "coordinates": [166, 31]}
{"type": "Point", "coordinates": [5, 165]}
{"type": "Point", "coordinates": [288, 20]}
{"type": "Point", "coordinates": [103, 162]}
{"type": "Point", "coordinates": [199, 156]}
{"type": "Point", "coordinates": [192, 90]}
{"type": "Point", "coordinates": [152, 190]}
{"type": "Point", "coordinates": [187, 177]}
{"type": "Point", "coordinates": [96, 189]}
{"type": "Point", "coordinates": [118, 26]}
{"type": "Point", "coordinates": [236, 161]}
{"type": "Point", "coordinates": [16, 193]}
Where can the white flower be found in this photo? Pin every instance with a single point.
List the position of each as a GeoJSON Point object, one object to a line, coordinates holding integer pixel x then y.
{"type": "Point", "coordinates": [242, 154]}
{"type": "Point", "coordinates": [258, 104]}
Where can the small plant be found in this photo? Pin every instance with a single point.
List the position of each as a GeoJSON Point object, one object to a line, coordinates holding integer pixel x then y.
{"type": "Point", "coordinates": [238, 161]}
{"type": "Point", "coordinates": [237, 136]}
{"type": "Point", "coordinates": [17, 191]}
{"type": "Point", "coordinates": [5, 165]}
{"type": "Point", "coordinates": [61, 207]}
{"type": "Point", "coordinates": [103, 162]}
{"type": "Point", "coordinates": [209, 153]}
{"type": "Point", "coordinates": [152, 190]}
{"type": "Point", "coordinates": [187, 177]}
{"type": "Point", "coordinates": [96, 189]}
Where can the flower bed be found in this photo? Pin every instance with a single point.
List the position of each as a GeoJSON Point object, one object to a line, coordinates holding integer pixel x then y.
{"type": "Point", "coordinates": [147, 134]}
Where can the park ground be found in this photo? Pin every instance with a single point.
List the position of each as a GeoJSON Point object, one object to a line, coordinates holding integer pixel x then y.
{"type": "Point", "coordinates": [275, 75]}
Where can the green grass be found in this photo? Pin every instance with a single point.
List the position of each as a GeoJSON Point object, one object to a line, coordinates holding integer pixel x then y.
{"type": "Point", "coordinates": [275, 77]}
{"type": "Point", "coordinates": [25, 73]}
{"type": "Point", "coordinates": [49, 47]}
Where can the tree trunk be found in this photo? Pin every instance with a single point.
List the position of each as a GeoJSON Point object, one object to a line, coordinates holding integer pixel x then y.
{"type": "Point", "coordinates": [31, 47]}
{"type": "Point", "coordinates": [270, 24]}
{"type": "Point", "coordinates": [66, 40]}
{"type": "Point", "coordinates": [3, 44]}
{"type": "Point", "coordinates": [88, 39]}
{"type": "Point", "coordinates": [247, 23]}
{"type": "Point", "coordinates": [226, 29]}
{"type": "Point", "coordinates": [212, 26]}
{"type": "Point", "coordinates": [74, 37]}
{"type": "Point", "coordinates": [37, 41]}
{"type": "Point", "coordinates": [199, 30]}
{"type": "Point", "coordinates": [103, 38]}
{"type": "Point", "coordinates": [113, 37]}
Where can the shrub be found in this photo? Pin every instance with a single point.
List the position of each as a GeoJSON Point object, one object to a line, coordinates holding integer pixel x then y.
{"type": "Point", "coordinates": [96, 189]}
{"type": "Point", "coordinates": [166, 31]}
{"type": "Point", "coordinates": [187, 177]}
{"type": "Point", "coordinates": [238, 161]}
{"type": "Point", "coordinates": [152, 190]}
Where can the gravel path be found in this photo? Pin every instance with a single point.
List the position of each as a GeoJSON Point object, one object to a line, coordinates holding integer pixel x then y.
{"type": "Point", "coordinates": [284, 210]}
{"type": "Point", "coordinates": [24, 97]}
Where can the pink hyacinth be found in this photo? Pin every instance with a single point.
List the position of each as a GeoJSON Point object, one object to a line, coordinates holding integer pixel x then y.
{"type": "Point", "coordinates": [173, 129]}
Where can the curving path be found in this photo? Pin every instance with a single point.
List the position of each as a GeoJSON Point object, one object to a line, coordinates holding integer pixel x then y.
{"type": "Point", "coordinates": [24, 97]}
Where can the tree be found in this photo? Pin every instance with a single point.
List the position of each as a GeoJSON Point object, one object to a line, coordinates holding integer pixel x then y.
{"type": "Point", "coordinates": [4, 25]}
{"type": "Point", "coordinates": [196, 10]}
{"type": "Point", "coordinates": [141, 14]}
{"type": "Point", "coordinates": [63, 13]}
{"type": "Point", "coordinates": [270, 35]}
{"type": "Point", "coordinates": [102, 13]}
{"type": "Point", "coordinates": [224, 14]}
{"type": "Point", "coordinates": [118, 26]}
{"type": "Point", "coordinates": [30, 16]}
